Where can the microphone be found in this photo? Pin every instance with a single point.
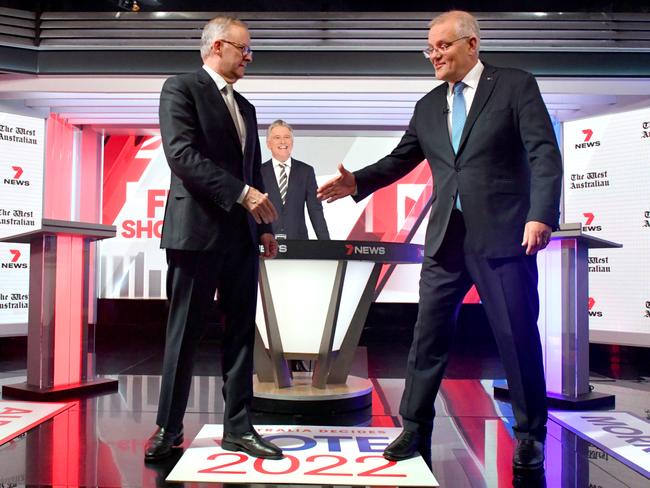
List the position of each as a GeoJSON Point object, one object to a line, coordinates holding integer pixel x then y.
{"type": "Point", "coordinates": [446, 110]}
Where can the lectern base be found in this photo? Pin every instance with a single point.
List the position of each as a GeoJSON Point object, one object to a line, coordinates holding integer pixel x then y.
{"type": "Point", "coordinates": [588, 401]}
{"type": "Point", "coordinates": [23, 391]}
{"type": "Point", "coordinates": [303, 398]}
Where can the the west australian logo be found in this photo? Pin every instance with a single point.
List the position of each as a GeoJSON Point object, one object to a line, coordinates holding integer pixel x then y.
{"type": "Point", "coordinates": [646, 312]}
{"type": "Point", "coordinates": [645, 130]}
{"type": "Point", "coordinates": [17, 178]}
{"type": "Point", "coordinates": [588, 140]}
{"type": "Point", "coordinates": [591, 224]}
{"type": "Point", "coordinates": [599, 264]}
{"type": "Point", "coordinates": [590, 179]}
{"type": "Point", "coordinates": [646, 219]}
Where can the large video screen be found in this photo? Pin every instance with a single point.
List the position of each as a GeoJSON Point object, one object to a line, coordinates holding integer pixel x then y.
{"type": "Point", "coordinates": [136, 179]}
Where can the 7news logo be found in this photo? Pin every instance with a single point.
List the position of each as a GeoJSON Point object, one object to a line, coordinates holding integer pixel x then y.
{"type": "Point", "coordinates": [16, 180]}
{"type": "Point", "coordinates": [364, 250]}
{"type": "Point", "coordinates": [13, 261]}
{"type": "Point", "coordinates": [590, 308]}
{"type": "Point", "coordinates": [588, 227]}
{"type": "Point", "coordinates": [588, 133]}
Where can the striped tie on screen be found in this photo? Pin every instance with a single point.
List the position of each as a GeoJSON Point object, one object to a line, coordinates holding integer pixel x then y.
{"type": "Point", "coordinates": [283, 183]}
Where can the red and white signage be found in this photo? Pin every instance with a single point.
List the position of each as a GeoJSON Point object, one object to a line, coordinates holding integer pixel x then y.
{"type": "Point", "coordinates": [19, 417]}
{"type": "Point", "coordinates": [21, 208]}
{"type": "Point", "coordinates": [606, 189]}
{"type": "Point", "coordinates": [312, 455]}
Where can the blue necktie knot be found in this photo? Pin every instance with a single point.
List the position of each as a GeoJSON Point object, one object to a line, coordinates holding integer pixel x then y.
{"type": "Point", "coordinates": [458, 88]}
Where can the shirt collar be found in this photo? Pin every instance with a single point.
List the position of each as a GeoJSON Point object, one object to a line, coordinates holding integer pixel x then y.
{"type": "Point", "coordinates": [277, 163]}
{"type": "Point", "coordinates": [216, 77]}
{"type": "Point", "coordinates": [472, 77]}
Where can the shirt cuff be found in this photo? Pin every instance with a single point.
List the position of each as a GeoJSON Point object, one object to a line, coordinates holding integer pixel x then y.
{"type": "Point", "coordinates": [242, 195]}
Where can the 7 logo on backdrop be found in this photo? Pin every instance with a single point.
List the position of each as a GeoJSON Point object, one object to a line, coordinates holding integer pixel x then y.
{"type": "Point", "coordinates": [16, 179]}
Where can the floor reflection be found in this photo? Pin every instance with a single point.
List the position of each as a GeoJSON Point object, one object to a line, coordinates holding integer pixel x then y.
{"type": "Point", "coordinates": [99, 441]}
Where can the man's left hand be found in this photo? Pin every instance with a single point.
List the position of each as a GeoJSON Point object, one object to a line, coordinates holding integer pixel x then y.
{"type": "Point", "coordinates": [270, 245]}
{"type": "Point", "coordinates": [537, 235]}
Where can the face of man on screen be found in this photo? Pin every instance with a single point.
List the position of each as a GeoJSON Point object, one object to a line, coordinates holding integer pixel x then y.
{"type": "Point", "coordinates": [280, 142]}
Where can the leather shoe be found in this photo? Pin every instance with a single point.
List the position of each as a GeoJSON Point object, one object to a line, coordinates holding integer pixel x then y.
{"type": "Point", "coordinates": [406, 445]}
{"type": "Point", "coordinates": [529, 455]}
{"type": "Point", "coordinates": [252, 444]}
{"type": "Point", "coordinates": [160, 444]}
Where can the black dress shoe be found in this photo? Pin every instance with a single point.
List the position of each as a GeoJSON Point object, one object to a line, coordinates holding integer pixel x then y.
{"type": "Point", "coordinates": [529, 455]}
{"type": "Point", "coordinates": [406, 445]}
{"type": "Point", "coordinates": [159, 446]}
{"type": "Point", "coordinates": [252, 444]}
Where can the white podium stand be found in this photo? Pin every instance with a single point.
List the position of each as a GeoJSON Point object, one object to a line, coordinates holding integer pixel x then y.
{"type": "Point", "coordinates": [314, 299]}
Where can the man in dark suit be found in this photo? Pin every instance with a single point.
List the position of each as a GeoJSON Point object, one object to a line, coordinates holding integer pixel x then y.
{"type": "Point", "coordinates": [291, 185]}
{"type": "Point", "coordinates": [216, 216]}
{"type": "Point", "coordinates": [489, 141]}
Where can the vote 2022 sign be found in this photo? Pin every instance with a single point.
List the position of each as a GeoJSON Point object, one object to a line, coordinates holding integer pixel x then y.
{"type": "Point", "coordinates": [312, 455]}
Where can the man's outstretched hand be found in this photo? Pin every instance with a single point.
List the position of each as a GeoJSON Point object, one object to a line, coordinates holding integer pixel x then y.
{"type": "Point", "coordinates": [338, 187]}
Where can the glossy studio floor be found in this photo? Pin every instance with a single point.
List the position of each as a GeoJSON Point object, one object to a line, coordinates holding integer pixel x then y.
{"type": "Point", "coordinates": [99, 440]}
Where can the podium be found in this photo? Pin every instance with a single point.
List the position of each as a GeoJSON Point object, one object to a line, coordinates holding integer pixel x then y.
{"type": "Point", "coordinates": [564, 319]}
{"type": "Point", "coordinates": [60, 348]}
{"type": "Point", "coordinates": [313, 303]}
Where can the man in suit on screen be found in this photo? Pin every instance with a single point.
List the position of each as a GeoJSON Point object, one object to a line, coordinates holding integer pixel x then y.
{"type": "Point", "coordinates": [497, 170]}
{"type": "Point", "coordinates": [216, 217]}
{"type": "Point", "coordinates": [291, 185]}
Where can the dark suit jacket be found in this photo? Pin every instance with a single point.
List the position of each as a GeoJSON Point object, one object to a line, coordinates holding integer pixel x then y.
{"type": "Point", "coordinates": [301, 189]}
{"type": "Point", "coordinates": [208, 167]}
{"type": "Point", "coordinates": [508, 168]}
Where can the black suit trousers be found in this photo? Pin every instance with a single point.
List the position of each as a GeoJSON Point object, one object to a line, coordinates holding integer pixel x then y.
{"type": "Point", "coordinates": [508, 290]}
{"type": "Point", "coordinates": [192, 278]}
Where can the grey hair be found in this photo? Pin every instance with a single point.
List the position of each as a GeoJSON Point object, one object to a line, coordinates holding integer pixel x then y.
{"type": "Point", "coordinates": [466, 24]}
{"type": "Point", "coordinates": [278, 123]}
{"type": "Point", "coordinates": [216, 28]}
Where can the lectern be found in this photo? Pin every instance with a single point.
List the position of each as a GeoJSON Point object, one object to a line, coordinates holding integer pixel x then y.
{"type": "Point", "coordinates": [60, 349]}
{"type": "Point", "coordinates": [564, 320]}
{"type": "Point", "coordinates": [314, 299]}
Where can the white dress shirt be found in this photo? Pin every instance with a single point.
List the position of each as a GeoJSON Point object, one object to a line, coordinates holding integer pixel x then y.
{"type": "Point", "coordinates": [471, 81]}
{"type": "Point", "coordinates": [277, 169]}
{"type": "Point", "coordinates": [221, 84]}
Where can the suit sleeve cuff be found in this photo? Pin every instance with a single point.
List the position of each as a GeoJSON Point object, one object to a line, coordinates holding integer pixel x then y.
{"type": "Point", "coordinates": [242, 195]}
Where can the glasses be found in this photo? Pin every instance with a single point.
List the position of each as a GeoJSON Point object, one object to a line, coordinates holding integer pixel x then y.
{"type": "Point", "coordinates": [442, 48]}
{"type": "Point", "coordinates": [245, 50]}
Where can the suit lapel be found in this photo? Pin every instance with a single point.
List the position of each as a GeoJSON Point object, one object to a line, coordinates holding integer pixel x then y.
{"type": "Point", "coordinates": [483, 92]}
{"type": "Point", "coordinates": [439, 115]}
{"type": "Point", "coordinates": [273, 190]}
{"type": "Point", "coordinates": [214, 99]}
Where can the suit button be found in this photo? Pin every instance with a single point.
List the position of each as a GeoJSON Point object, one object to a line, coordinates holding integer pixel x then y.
{"type": "Point", "coordinates": [457, 170]}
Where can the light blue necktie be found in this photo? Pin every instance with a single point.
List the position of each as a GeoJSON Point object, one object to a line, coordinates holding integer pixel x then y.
{"type": "Point", "coordinates": [458, 116]}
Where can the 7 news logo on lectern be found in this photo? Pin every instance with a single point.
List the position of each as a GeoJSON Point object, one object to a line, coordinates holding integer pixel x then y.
{"type": "Point", "coordinates": [11, 261]}
{"type": "Point", "coordinates": [364, 250]}
{"type": "Point", "coordinates": [17, 179]}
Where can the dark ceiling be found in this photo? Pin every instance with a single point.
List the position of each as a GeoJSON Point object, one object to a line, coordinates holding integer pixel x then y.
{"type": "Point", "coordinates": [331, 5]}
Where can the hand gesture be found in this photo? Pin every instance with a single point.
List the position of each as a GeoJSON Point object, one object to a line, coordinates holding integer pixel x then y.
{"type": "Point", "coordinates": [259, 205]}
{"type": "Point", "coordinates": [338, 187]}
